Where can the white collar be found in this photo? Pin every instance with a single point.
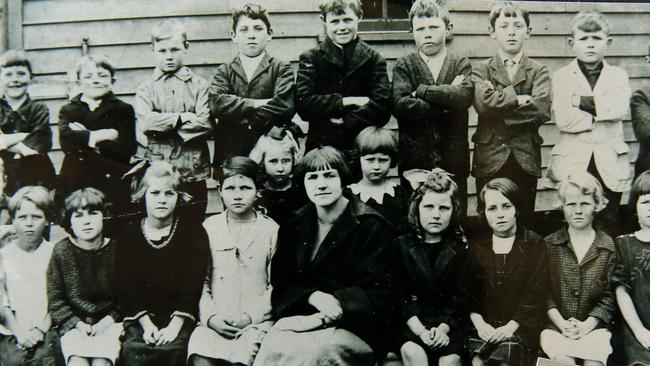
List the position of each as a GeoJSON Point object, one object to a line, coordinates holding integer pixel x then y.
{"type": "Point", "coordinates": [438, 58]}
{"type": "Point", "coordinates": [502, 245]}
{"type": "Point", "coordinates": [516, 59]}
{"type": "Point", "coordinates": [92, 103]}
{"type": "Point", "coordinates": [367, 192]}
{"type": "Point", "coordinates": [250, 64]}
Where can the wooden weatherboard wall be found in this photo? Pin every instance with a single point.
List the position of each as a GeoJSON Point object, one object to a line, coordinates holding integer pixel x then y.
{"type": "Point", "coordinates": [53, 33]}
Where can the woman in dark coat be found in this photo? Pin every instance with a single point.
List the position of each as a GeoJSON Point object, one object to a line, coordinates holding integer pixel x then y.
{"type": "Point", "coordinates": [330, 275]}
{"type": "Point", "coordinates": [434, 275]}
{"type": "Point", "coordinates": [508, 309]}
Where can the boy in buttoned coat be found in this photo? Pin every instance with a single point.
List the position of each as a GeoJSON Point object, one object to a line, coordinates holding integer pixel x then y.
{"type": "Point", "coordinates": [640, 106]}
{"type": "Point", "coordinates": [512, 98]}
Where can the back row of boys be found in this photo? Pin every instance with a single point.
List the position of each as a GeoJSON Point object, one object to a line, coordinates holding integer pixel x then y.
{"type": "Point", "coordinates": [342, 86]}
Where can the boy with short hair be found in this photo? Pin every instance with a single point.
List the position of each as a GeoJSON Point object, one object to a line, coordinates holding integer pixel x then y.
{"type": "Point", "coordinates": [173, 116]}
{"type": "Point", "coordinates": [254, 92]}
{"type": "Point", "coordinates": [342, 85]}
{"type": "Point", "coordinates": [512, 98]}
{"type": "Point", "coordinates": [640, 105]}
{"type": "Point", "coordinates": [590, 100]}
{"type": "Point", "coordinates": [25, 136]}
{"type": "Point", "coordinates": [432, 90]}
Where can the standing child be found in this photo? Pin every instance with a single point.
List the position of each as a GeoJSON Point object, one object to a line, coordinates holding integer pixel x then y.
{"type": "Point", "coordinates": [97, 135]}
{"type": "Point", "coordinates": [581, 262]}
{"type": "Point", "coordinates": [590, 101]}
{"type": "Point", "coordinates": [376, 149]}
{"type": "Point", "coordinates": [432, 90]}
{"type": "Point", "coordinates": [81, 284]}
{"type": "Point", "coordinates": [235, 307]}
{"type": "Point", "coordinates": [252, 93]}
{"type": "Point", "coordinates": [26, 337]}
{"type": "Point", "coordinates": [161, 266]}
{"type": "Point", "coordinates": [280, 195]}
{"type": "Point", "coordinates": [342, 85]}
{"type": "Point", "coordinates": [512, 98]}
{"type": "Point", "coordinates": [25, 134]}
{"type": "Point", "coordinates": [631, 278]}
{"type": "Point", "coordinates": [173, 116]}
{"type": "Point", "coordinates": [640, 106]}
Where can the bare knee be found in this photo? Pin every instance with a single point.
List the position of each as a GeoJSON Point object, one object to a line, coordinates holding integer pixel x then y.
{"type": "Point", "coordinates": [100, 362]}
{"type": "Point", "coordinates": [565, 359]}
{"type": "Point", "coordinates": [77, 361]}
{"type": "Point", "coordinates": [412, 353]}
{"type": "Point", "coordinates": [450, 360]}
{"type": "Point", "coordinates": [477, 361]}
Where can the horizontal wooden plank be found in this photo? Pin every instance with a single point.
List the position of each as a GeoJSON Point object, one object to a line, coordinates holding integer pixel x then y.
{"type": "Point", "coordinates": [134, 31]}
{"type": "Point", "coordinates": [52, 11]}
{"type": "Point", "coordinates": [554, 6]}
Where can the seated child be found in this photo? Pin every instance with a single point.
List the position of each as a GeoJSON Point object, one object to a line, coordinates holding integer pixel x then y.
{"type": "Point", "coordinates": [25, 136]}
{"type": "Point", "coordinates": [253, 92]}
{"type": "Point", "coordinates": [280, 195]}
{"type": "Point", "coordinates": [640, 106]}
{"type": "Point", "coordinates": [26, 337]}
{"type": "Point", "coordinates": [631, 278]}
{"type": "Point", "coordinates": [235, 308]}
{"type": "Point", "coordinates": [581, 262]}
{"type": "Point", "coordinates": [97, 135]}
{"type": "Point", "coordinates": [81, 284]}
{"type": "Point", "coordinates": [342, 85]}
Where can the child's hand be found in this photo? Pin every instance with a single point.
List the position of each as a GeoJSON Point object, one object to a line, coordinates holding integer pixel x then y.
{"type": "Point", "coordinates": [439, 337]}
{"type": "Point", "coordinates": [643, 337]}
{"type": "Point", "coordinates": [187, 116]}
{"type": "Point", "coordinates": [27, 339]}
{"type": "Point", "coordinates": [101, 326]}
{"type": "Point", "coordinates": [485, 331]}
{"type": "Point", "coordinates": [523, 99]}
{"type": "Point", "coordinates": [299, 323]}
{"type": "Point", "coordinates": [504, 332]}
{"type": "Point", "coordinates": [83, 328]}
{"type": "Point", "coordinates": [582, 329]}
{"type": "Point", "coordinates": [150, 332]}
{"type": "Point", "coordinates": [326, 304]}
{"type": "Point", "coordinates": [258, 103]}
{"type": "Point", "coordinates": [355, 101]}
{"type": "Point", "coordinates": [107, 134]}
{"type": "Point", "coordinates": [426, 338]}
{"type": "Point", "coordinates": [458, 80]}
{"type": "Point", "coordinates": [76, 126]}
{"type": "Point", "coordinates": [222, 327]}
{"type": "Point", "coordinates": [336, 121]}
{"type": "Point", "coordinates": [170, 332]}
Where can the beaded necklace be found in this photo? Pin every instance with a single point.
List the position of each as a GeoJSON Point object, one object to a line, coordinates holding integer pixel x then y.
{"type": "Point", "coordinates": [164, 243]}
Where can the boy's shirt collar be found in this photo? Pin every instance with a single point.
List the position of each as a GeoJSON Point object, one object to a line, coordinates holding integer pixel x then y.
{"type": "Point", "coordinates": [184, 74]}
{"type": "Point", "coordinates": [505, 57]}
{"type": "Point", "coordinates": [593, 75]}
{"type": "Point", "coordinates": [22, 105]}
{"type": "Point", "coordinates": [250, 64]}
{"type": "Point", "coordinates": [435, 62]}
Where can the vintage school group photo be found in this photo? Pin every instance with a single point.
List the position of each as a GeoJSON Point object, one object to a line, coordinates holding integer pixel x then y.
{"type": "Point", "coordinates": [337, 240]}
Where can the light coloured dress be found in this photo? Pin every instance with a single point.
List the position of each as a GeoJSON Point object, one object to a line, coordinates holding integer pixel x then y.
{"type": "Point", "coordinates": [237, 283]}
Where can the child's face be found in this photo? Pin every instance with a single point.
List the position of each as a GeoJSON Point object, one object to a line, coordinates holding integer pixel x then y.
{"type": "Point", "coordinates": [238, 193]}
{"type": "Point", "coordinates": [435, 212]}
{"type": "Point", "coordinates": [430, 34]}
{"type": "Point", "coordinates": [578, 208]}
{"type": "Point", "coordinates": [341, 29]}
{"type": "Point", "coordinates": [169, 53]}
{"type": "Point", "coordinates": [375, 167]}
{"type": "Point", "coordinates": [251, 36]}
{"type": "Point", "coordinates": [500, 214]}
{"type": "Point", "coordinates": [643, 211]}
{"type": "Point", "coordinates": [29, 221]}
{"type": "Point", "coordinates": [161, 198]}
{"type": "Point", "coordinates": [278, 164]}
{"type": "Point", "coordinates": [323, 187]}
{"type": "Point", "coordinates": [14, 81]}
{"type": "Point", "coordinates": [95, 82]}
{"type": "Point", "coordinates": [510, 33]}
{"type": "Point", "coordinates": [589, 47]}
{"type": "Point", "coordinates": [87, 224]}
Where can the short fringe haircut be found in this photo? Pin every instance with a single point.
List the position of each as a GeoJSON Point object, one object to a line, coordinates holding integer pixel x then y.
{"type": "Point", "coordinates": [240, 165]}
{"type": "Point", "coordinates": [90, 199]}
{"type": "Point", "coordinates": [168, 29]}
{"type": "Point", "coordinates": [438, 181]}
{"type": "Point", "coordinates": [587, 184]}
{"type": "Point", "coordinates": [324, 158]}
{"type": "Point", "coordinates": [15, 58]}
{"type": "Point", "coordinates": [157, 169]}
{"type": "Point", "coordinates": [429, 9]}
{"type": "Point", "coordinates": [338, 7]}
{"type": "Point", "coordinates": [39, 196]}
{"type": "Point", "coordinates": [373, 140]}
{"type": "Point", "coordinates": [97, 60]}
{"type": "Point", "coordinates": [590, 22]}
{"type": "Point", "coordinates": [253, 11]}
{"type": "Point", "coordinates": [506, 187]}
{"type": "Point", "coordinates": [507, 9]}
{"type": "Point", "coordinates": [640, 187]}
{"type": "Point", "coordinates": [265, 143]}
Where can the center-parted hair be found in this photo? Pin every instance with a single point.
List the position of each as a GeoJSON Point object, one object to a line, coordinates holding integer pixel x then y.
{"type": "Point", "coordinates": [590, 22]}
{"type": "Point", "coordinates": [89, 199]}
{"type": "Point", "coordinates": [253, 11]}
{"type": "Point", "coordinates": [15, 58]}
{"type": "Point", "coordinates": [373, 140]}
{"type": "Point", "coordinates": [338, 7]}
{"type": "Point", "coordinates": [240, 165]}
{"type": "Point", "coordinates": [324, 158]}
{"type": "Point", "coordinates": [506, 187]}
{"type": "Point", "coordinates": [39, 196]}
{"type": "Point", "coordinates": [429, 9]}
{"type": "Point", "coordinates": [640, 187]}
{"type": "Point", "coordinates": [507, 9]}
{"type": "Point", "coordinates": [97, 60]}
{"type": "Point", "coordinates": [587, 184]}
{"type": "Point", "coordinates": [438, 181]}
{"type": "Point", "coordinates": [157, 169]}
{"type": "Point", "coordinates": [168, 29]}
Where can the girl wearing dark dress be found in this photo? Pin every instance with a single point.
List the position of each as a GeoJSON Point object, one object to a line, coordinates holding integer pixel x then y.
{"type": "Point", "coordinates": [277, 156]}
{"type": "Point", "coordinates": [162, 263]}
{"type": "Point", "coordinates": [631, 278]}
{"type": "Point", "coordinates": [97, 135]}
{"type": "Point", "coordinates": [434, 275]}
{"type": "Point", "coordinates": [509, 298]}
{"type": "Point", "coordinates": [376, 149]}
{"type": "Point", "coordinates": [81, 284]}
{"type": "Point", "coordinates": [330, 275]}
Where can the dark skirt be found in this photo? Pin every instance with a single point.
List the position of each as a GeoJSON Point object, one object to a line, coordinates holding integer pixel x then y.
{"type": "Point", "coordinates": [46, 353]}
{"type": "Point", "coordinates": [137, 353]}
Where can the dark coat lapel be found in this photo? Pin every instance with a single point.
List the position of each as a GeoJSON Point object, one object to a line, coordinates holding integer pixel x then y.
{"type": "Point", "coordinates": [521, 75]}
{"type": "Point", "coordinates": [332, 53]}
{"type": "Point", "coordinates": [304, 234]}
{"type": "Point", "coordinates": [360, 56]}
{"type": "Point", "coordinates": [342, 227]}
{"type": "Point", "coordinates": [499, 71]}
{"type": "Point", "coordinates": [445, 69]}
{"type": "Point", "coordinates": [423, 69]}
{"type": "Point", "coordinates": [239, 69]}
{"type": "Point", "coordinates": [265, 63]}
